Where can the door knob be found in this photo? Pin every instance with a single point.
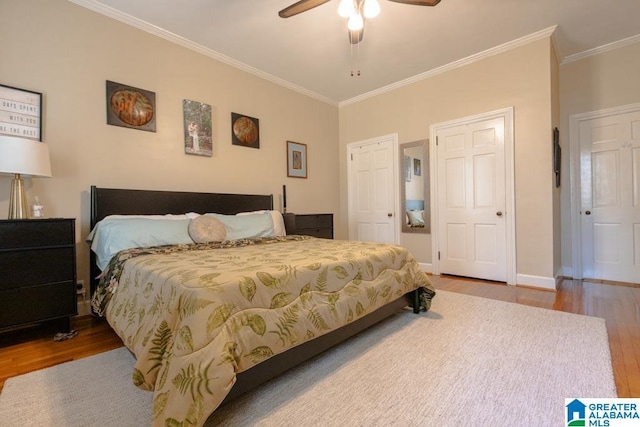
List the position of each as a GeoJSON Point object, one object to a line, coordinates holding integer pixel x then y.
{"type": "Point", "coordinates": [499, 213]}
{"type": "Point", "coordinates": [587, 213]}
{"type": "Point", "coordinates": [389, 214]}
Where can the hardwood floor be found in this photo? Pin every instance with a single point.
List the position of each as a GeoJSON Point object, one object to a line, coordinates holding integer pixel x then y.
{"type": "Point", "coordinates": [31, 349]}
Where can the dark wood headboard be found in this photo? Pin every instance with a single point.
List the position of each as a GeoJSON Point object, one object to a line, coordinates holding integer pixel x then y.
{"type": "Point", "coordinates": [112, 201]}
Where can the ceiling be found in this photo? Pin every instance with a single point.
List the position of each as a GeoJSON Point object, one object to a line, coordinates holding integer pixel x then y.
{"type": "Point", "coordinates": [310, 52]}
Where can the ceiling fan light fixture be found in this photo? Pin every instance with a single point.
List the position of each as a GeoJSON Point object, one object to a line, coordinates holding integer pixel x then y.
{"type": "Point", "coordinates": [346, 8]}
{"type": "Point", "coordinates": [371, 8]}
{"type": "Point", "coordinates": [356, 23]}
{"type": "Point", "coordinates": [351, 9]}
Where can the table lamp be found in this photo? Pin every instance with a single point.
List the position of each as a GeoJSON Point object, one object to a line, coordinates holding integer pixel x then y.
{"type": "Point", "coordinates": [19, 156]}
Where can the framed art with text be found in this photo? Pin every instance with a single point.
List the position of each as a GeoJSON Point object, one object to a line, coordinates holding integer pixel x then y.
{"type": "Point", "coordinates": [20, 113]}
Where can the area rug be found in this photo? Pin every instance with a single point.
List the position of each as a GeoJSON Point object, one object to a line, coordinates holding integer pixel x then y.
{"type": "Point", "coordinates": [468, 361]}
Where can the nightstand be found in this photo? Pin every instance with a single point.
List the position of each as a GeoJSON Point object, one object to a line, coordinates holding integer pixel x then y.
{"type": "Point", "coordinates": [316, 225]}
{"type": "Point", "coordinates": [37, 271]}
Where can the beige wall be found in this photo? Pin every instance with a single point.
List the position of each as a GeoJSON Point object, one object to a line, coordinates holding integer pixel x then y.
{"type": "Point", "coordinates": [520, 78]}
{"type": "Point", "coordinates": [607, 80]}
{"type": "Point", "coordinates": [68, 52]}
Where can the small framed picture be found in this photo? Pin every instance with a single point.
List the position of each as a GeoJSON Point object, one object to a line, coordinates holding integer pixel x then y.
{"type": "Point", "coordinates": [20, 113]}
{"type": "Point", "coordinates": [130, 107]}
{"type": "Point", "coordinates": [198, 128]}
{"type": "Point", "coordinates": [417, 167]}
{"type": "Point", "coordinates": [296, 159]}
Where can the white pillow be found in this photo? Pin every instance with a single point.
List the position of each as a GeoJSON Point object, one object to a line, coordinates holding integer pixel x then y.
{"type": "Point", "coordinates": [167, 216]}
{"type": "Point", "coordinates": [111, 235]}
{"type": "Point", "coordinates": [207, 228]}
{"type": "Point", "coordinates": [416, 218]}
{"type": "Point", "coordinates": [246, 226]}
{"type": "Point", "coordinates": [276, 218]}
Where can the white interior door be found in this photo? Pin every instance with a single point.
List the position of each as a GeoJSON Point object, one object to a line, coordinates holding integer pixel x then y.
{"type": "Point", "coordinates": [610, 205]}
{"type": "Point", "coordinates": [471, 199]}
{"type": "Point", "coordinates": [373, 190]}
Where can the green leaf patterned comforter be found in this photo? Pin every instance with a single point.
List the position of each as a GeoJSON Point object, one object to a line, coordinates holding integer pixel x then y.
{"type": "Point", "coordinates": [195, 315]}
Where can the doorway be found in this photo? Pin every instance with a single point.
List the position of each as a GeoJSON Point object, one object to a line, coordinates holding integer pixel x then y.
{"type": "Point", "coordinates": [605, 155]}
{"type": "Point", "coordinates": [373, 189]}
{"type": "Point", "coordinates": [473, 214]}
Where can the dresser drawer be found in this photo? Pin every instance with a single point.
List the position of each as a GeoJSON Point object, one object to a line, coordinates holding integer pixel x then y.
{"type": "Point", "coordinates": [314, 221]}
{"type": "Point", "coordinates": [18, 234]}
{"type": "Point", "coordinates": [37, 271]}
{"type": "Point", "coordinates": [37, 303]}
{"type": "Point", "coordinates": [36, 267]}
{"type": "Point", "coordinates": [323, 233]}
{"type": "Point", "coordinates": [316, 225]}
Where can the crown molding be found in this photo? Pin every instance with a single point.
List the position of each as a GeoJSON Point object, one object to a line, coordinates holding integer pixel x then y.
{"type": "Point", "coordinates": [601, 49]}
{"type": "Point", "coordinates": [557, 49]}
{"type": "Point", "coordinates": [513, 44]}
{"type": "Point", "coordinates": [181, 41]}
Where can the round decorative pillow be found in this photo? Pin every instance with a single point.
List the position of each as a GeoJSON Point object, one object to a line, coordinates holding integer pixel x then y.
{"type": "Point", "coordinates": [206, 228]}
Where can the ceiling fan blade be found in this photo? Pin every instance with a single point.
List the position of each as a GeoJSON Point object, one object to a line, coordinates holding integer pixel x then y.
{"type": "Point", "coordinates": [418, 2]}
{"type": "Point", "coordinates": [299, 7]}
{"type": "Point", "coordinates": [355, 37]}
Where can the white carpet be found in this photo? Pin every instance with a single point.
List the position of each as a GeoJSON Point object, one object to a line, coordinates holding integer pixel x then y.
{"type": "Point", "coordinates": [469, 361]}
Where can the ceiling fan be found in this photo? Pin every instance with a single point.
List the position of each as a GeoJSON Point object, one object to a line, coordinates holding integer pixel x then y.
{"type": "Point", "coordinates": [355, 10]}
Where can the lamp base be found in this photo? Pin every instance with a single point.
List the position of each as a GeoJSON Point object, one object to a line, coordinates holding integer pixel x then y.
{"type": "Point", "coordinates": [18, 208]}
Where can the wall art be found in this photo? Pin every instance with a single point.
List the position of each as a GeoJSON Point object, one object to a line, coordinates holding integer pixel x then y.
{"type": "Point", "coordinates": [131, 107]}
{"type": "Point", "coordinates": [296, 159]}
{"type": "Point", "coordinates": [245, 131]}
{"type": "Point", "coordinates": [20, 113]}
{"type": "Point", "coordinates": [198, 128]}
{"type": "Point", "coordinates": [557, 155]}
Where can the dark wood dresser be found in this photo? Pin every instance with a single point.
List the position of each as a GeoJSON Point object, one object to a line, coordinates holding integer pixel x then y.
{"type": "Point", "coordinates": [37, 271]}
{"type": "Point", "coordinates": [316, 225]}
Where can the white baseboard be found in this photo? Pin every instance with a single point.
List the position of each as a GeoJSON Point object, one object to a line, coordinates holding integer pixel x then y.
{"type": "Point", "coordinates": [84, 308]}
{"type": "Point", "coordinates": [427, 268]}
{"type": "Point", "coordinates": [536, 281]}
{"type": "Point", "coordinates": [521, 279]}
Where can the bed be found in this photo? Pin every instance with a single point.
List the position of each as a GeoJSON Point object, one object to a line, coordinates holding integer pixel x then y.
{"type": "Point", "coordinates": [209, 321]}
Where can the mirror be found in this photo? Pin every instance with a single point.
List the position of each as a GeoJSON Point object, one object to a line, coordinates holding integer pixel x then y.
{"type": "Point", "coordinates": [414, 187]}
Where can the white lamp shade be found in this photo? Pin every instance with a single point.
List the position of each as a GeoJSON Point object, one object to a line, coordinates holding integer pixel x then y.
{"type": "Point", "coordinates": [24, 156]}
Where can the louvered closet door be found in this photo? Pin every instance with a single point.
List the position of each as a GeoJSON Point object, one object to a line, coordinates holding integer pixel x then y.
{"type": "Point", "coordinates": [610, 181]}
